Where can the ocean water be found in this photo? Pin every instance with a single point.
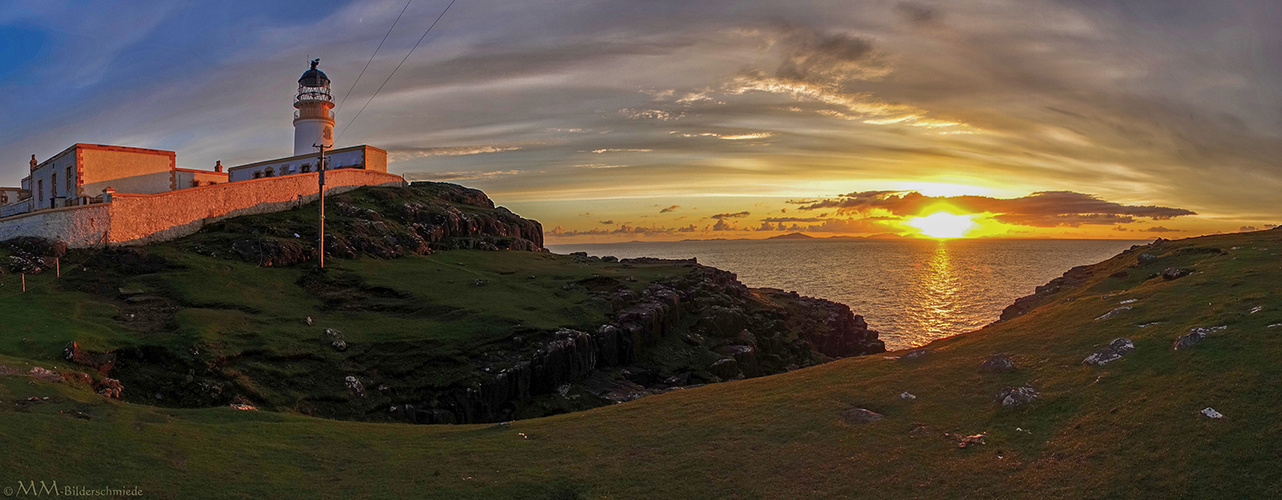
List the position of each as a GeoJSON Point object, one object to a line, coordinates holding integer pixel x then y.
{"type": "Point", "coordinates": [912, 291]}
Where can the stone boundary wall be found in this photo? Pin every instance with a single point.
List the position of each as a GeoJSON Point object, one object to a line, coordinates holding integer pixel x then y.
{"type": "Point", "coordinates": [79, 226]}
{"type": "Point", "coordinates": [137, 219]}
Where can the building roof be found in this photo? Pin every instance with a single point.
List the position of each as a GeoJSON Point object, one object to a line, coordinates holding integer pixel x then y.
{"type": "Point", "coordinates": [308, 155]}
{"type": "Point", "coordinates": [314, 77]}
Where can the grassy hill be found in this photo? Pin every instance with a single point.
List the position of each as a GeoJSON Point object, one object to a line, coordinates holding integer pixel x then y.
{"type": "Point", "coordinates": [1130, 428]}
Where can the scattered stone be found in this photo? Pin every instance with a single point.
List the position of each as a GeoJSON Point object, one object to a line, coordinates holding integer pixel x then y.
{"type": "Point", "coordinates": [356, 386]}
{"type": "Point", "coordinates": [1146, 258]}
{"type": "Point", "coordinates": [1172, 273]}
{"type": "Point", "coordinates": [971, 440]}
{"type": "Point", "coordinates": [77, 413]}
{"type": "Point", "coordinates": [907, 396]}
{"type": "Point", "coordinates": [1014, 396]}
{"type": "Point", "coordinates": [1114, 313]}
{"type": "Point", "coordinates": [677, 380]}
{"type": "Point", "coordinates": [1256, 309]}
{"type": "Point", "coordinates": [129, 292]}
{"type": "Point", "coordinates": [861, 416]}
{"type": "Point", "coordinates": [1129, 301]}
{"type": "Point", "coordinates": [1209, 412]}
{"type": "Point", "coordinates": [243, 407]}
{"type": "Point", "coordinates": [1115, 350]}
{"type": "Point", "coordinates": [308, 321]}
{"type": "Point", "coordinates": [480, 282]}
{"type": "Point", "coordinates": [914, 354]}
{"type": "Point", "coordinates": [999, 363]}
{"type": "Point", "coordinates": [1151, 323]}
{"type": "Point", "coordinates": [340, 345]}
{"type": "Point", "coordinates": [1276, 325]}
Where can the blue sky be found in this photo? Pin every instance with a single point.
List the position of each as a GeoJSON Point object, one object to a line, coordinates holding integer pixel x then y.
{"type": "Point", "coordinates": [596, 116]}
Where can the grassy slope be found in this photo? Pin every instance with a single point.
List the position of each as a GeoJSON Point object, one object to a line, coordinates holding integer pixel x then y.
{"type": "Point", "coordinates": [1130, 428]}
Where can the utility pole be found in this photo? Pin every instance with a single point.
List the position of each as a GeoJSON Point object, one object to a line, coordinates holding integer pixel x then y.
{"type": "Point", "coordinates": [321, 168]}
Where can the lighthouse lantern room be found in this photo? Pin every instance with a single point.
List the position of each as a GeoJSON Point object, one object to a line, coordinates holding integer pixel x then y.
{"type": "Point", "coordinates": [314, 117]}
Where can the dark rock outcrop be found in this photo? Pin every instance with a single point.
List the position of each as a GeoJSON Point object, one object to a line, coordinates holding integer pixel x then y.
{"type": "Point", "coordinates": [742, 332]}
{"type": "Point", "coordinates": [1072, 278]}
{"type": "Point", "coordinates": [381, 222]}
{"type": "Point", "coordinates": [1173, 273]}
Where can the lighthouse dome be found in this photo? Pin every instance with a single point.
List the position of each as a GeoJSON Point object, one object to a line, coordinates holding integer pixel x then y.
{"type": "Point", "coordinates": [314, 77]}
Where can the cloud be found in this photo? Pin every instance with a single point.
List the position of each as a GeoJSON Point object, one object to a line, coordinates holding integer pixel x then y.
{"type": "Point", "coordinates": [722, 225]}
{"type": "Point", "coordinates": [458, 176]}
{"type": "Point", "coordinates": [830, 58]}
{"type": "Point", "coordinates": [734, 215]}
{"type": "Point", "coordinates": [607, 222]}
{"type": "Point", "coordinates": [792, 219]}
{"type": "Point", "coordinates": [621, 150]}
{"type": "Point", "coordinates": [669, 209]}
{"type": "Point", "coordinates": [1040, 209]}
{"type": "Point", "coordinates": [396, 154]}
{"type": "Point", "coordinates": [916, 13]}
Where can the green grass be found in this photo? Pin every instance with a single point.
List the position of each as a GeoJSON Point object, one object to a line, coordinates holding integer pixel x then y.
{"type": "Point", "coordinates": [1128, 429]}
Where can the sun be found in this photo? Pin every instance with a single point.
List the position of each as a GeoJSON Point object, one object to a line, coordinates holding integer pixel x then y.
{"type": "Point", "coordinates": [943, 225]}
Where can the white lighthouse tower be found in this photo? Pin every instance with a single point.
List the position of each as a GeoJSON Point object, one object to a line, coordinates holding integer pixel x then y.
{"type": "Point", "coordinates": [314, 120]}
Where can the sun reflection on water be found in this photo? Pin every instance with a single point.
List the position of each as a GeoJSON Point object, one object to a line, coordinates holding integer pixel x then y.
{"type": "Point", "coordinates": [937, 293]}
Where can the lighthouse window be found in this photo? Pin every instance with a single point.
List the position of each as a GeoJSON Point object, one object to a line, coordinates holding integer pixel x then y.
{"type": "Point", "coordinates": [305, 168]}
{"type": "Point", "coordinates": [270, 172]}
{"type": "Point", "coordinates": [258, 175]}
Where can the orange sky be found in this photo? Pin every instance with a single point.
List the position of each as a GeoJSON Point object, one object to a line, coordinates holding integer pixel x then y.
{"type": "Point", "coordinates": [616, 121]}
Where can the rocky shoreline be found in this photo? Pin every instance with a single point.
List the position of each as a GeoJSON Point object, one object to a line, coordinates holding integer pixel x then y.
{"type": "Point", "coordinates": [741, 332]}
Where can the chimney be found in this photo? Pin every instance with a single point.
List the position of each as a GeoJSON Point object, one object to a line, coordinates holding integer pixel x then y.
{"type": "Point", "coordinates": [218, 166]}
{"type": "Point", "coordinates": [34, 163]}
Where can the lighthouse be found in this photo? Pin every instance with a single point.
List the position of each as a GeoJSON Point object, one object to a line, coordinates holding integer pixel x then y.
{"type": "Point", "coordinates": [314, 115]}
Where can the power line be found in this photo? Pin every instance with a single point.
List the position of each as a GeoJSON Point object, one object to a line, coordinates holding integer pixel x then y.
{"type": "Point", "coordinates": [398, 67]}
{"type": "Point", "coordinates": [371, 57]}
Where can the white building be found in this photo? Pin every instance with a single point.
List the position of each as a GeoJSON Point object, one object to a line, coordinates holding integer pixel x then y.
{"type": "Point", "coordinates": [314, 120]}
{"type": "Point", "coordinates": [363, 157]}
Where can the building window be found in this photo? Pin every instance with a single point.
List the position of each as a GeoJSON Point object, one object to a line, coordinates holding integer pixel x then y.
{"type": "Point", "coordinates": [40, 192]}
{"type": "Point", "coordinates": [258, 175]}
{"type": "Point", "coordinates": [195, 183]}
{"type": "Point", "coordinates": [305, 168]}
{"type": "Point", "coordinates": [53, 185]}
{"type": "Point", "coordinates": [270, 172]}
{"type": "Point", "coordinates": [69, 179]}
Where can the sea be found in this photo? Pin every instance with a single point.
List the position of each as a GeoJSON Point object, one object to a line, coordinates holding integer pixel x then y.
{"type": "Point", "coordinates": [912, 291]}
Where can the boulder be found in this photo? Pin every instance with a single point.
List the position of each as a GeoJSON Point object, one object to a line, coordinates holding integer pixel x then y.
{"type": "Point", "coordinates": [907, 396]}
{"type": "Point", "coordinates": [1209, 412]}
{"type": "Point", "coordinates": [726, 368]}
{"type": "Point", "coordinates": [861, 416]}
{"type": "Point", "coordinates": [356, 386]}
{"type": "Point", "coordinates": [110, 387]}
{"type": "Point", "coordinates": [1146, 258]}
{"type": "Point", "coordinates": [998, 363]}
{"type": "Point", "coordinates": [1014, 396]}
{"type": "Point", "coordinates": [1172, 273]}
{"type": "Point", "coordinates": [1195, 336]}
{"type": "Point", "coordinates": [1115, 350]}
{"type": "Point", "coordinates": [46, 375]}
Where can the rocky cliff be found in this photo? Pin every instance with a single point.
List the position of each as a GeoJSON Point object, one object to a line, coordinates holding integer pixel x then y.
{"type": "Point", "coordinates": [469, 338]}
{"type": "Point", "coordinates": [690, 329]}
